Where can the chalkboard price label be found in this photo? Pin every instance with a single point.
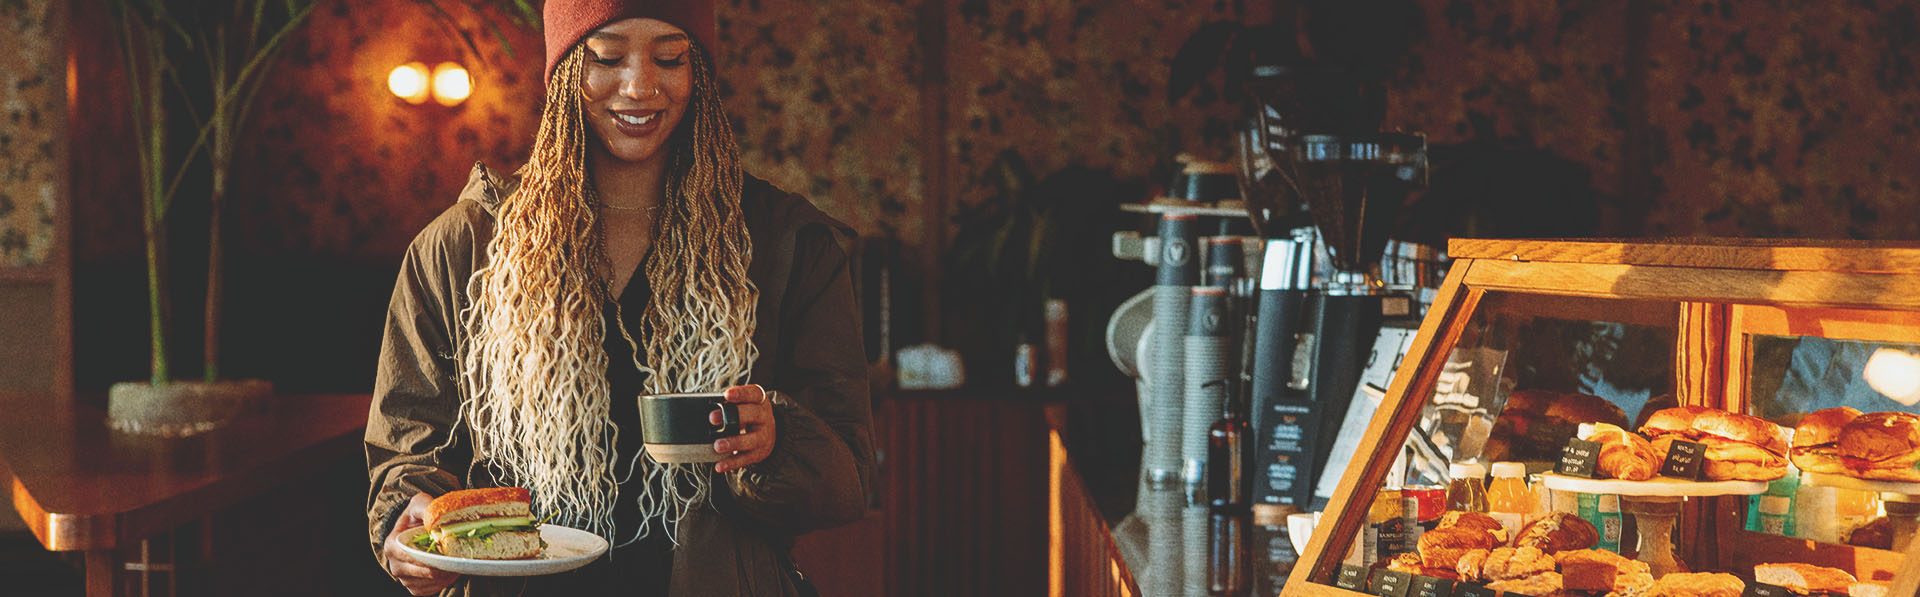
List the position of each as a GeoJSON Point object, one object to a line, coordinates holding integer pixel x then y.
{"type": "Point", "coordinates": [1427, 586]}
{"type": "Point", "coordinates": [1755, 589]}
{"type": "Point", "coordinates": [1578, 458]}
{"type": "Point", "coordinates": [1354, 578]}
{"type": "Point", "coordinates": [1685, 460]}
{"type": "Point", "coordinates": [1467, 589]}
{"type": "Point", "coordinates": [1391, 583]}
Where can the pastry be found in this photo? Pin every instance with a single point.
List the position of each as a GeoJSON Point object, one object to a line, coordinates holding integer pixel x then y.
{"type": "Point", "coordinates": [1882, 446]}
{"type": "Point", "coordinates": [1471, 520]}
{"type": "Point", "coordinates": [1509, 563]}
{"type": "Point", "coordinates": [1877, 534]}
{"type": "Point", "coordinates": [1472, 565]}
{"type": "Point", "coordinates": [1599, 570]}
{"type": "Point", "coordinates": [1623, 455]}
{"type": "Point", "coordinates": [1697, 584]}
{"type": "Point", "coordinates": [1804, 578]}
{"type": "Point", "coordinates": [1816, 440]}
{"type": "Point", "coordinates": [1557, 532]}
{"type": "Point", "coordinates": [1443, 546]}
{"type": "Point", "coordinates": [1545, 584]}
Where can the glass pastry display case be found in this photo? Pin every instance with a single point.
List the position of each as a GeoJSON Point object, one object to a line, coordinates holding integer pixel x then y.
{"type": "Point", "coordinates": [1700, 417]}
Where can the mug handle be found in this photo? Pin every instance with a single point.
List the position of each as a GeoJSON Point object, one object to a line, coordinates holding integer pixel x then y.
{"type": "Point", "coordinates": [729, 420]}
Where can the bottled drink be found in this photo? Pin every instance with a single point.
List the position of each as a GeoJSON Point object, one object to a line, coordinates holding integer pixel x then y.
{"type": "Point", "coordinates": [1508, 500]}
{"type": "Point", "coordinates": [1229, 501]}
{"type": "Point", "coordinates": [1542, 498]}
{"type": "Point", "coordinates": [1466, 491]}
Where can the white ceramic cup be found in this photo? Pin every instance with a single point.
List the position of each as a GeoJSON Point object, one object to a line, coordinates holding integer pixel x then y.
{"type": "Point", "coordinates": [1300, 529]}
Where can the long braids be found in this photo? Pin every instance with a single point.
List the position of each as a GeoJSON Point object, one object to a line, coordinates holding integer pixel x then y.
{"type": "Point", "coordinates": [532, 368]}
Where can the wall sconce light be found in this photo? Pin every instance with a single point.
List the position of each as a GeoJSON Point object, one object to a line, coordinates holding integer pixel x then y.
{"type": "Point", "coordinates": [409, 82]}
{"type": "Point", "coordinates": [450, 84]}
{"type": "Point", "coordinates": [1894, 373]}
{"type": "Point", "coordinates": [447, 84]}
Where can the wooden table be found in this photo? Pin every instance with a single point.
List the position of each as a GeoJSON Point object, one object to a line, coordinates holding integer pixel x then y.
{"type": "Point", "coordinates": [83, 487]}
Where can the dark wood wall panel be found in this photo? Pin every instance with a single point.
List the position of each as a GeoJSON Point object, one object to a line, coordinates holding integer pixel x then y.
{"type": "Point", "coordinates": [965, 490]}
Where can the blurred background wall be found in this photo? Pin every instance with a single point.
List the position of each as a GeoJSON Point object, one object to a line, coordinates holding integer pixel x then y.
{"type": "Point", "coordinates": [1559, 118]}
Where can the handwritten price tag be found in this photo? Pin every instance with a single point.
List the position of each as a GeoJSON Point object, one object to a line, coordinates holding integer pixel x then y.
{"type": "Point", "coordinates": [1578, 458]}
{"type": "Point", "coordinates": [1685, 460]}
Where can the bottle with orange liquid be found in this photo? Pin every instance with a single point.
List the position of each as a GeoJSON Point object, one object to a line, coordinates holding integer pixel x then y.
{"type": "Point", "coordinates": [1508, 500]}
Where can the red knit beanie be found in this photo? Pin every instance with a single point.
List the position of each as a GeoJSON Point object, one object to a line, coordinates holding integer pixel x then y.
{"type": "Point", "coordinates": [567, 21]}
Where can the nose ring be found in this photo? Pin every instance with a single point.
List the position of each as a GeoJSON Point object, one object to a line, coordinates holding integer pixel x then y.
{"type": "Point", "coordinates": [655, 92]}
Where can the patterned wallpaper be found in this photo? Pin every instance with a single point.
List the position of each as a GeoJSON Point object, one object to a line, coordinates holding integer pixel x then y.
{"type": "Point", "coordinates": [826, 96]}
{"type": "Point", "coordinates": [1785, 118]}
{"type": "Point", "coordinates": [1759, 118]}
{"type": "Point", "coordinates": [1075, 84]}
{"type": "Point", "coordinates": [32, 110]}
{"type": "Point", "coordinates": [1772, 119]}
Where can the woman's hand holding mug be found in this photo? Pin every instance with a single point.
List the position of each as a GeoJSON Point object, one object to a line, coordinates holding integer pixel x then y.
{"type": "Point", "coordinates": [755, 442]}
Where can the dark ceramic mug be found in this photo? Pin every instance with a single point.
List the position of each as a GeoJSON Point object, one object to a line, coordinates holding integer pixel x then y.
{"type": "Point", "coordinates": [676, 429]}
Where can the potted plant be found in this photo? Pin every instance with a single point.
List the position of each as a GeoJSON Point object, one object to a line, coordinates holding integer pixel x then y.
{"type": "Point", "coordinates": [236, 43]}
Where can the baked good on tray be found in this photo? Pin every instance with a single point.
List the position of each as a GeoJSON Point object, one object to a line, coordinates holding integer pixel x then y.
{"type": "Point", "coordinates": [1738, 446]}
{"type": "Point", "coordinates": [1882, 446]}
{"type": "Point", "coordinates": [1816, 440]}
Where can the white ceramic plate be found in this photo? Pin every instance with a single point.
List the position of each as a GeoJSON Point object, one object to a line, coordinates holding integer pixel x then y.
{"type": "Point", "coordinates": [1846, 482]}
{"type": "Point", "coordinates": [567, 549]}
{"type": "Point", "coordinates": [1657, 486]}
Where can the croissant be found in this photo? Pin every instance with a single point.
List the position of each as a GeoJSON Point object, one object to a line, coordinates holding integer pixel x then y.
{"type": "Point", "coordinates": [1624, 455]}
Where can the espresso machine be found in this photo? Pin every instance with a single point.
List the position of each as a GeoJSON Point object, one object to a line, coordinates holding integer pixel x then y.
{"type": "Point", "coordinates": [1326, 203]}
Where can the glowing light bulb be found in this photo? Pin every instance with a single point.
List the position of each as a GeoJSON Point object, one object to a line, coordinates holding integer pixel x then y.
{"type": "Point", "coordinates": [1895, 373]}
{"type": "Point", "coordinates": [451, 84]}
{"type": "Point", "coordinates": [409, 82]}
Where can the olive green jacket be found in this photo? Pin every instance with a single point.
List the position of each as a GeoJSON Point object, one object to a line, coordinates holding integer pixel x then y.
{"type": "Point", "coordinates": [811, 357]}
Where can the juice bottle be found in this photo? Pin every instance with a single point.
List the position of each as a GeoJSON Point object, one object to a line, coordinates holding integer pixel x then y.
{"type": "Point", "coordinates": [1853, 508]}
{"type": "Point", "coordinates": [1542, 498]}
{"type": "Point", "coordinates": [1508, 500]}
{"type": "Point", "coordinates": [1466, 491]}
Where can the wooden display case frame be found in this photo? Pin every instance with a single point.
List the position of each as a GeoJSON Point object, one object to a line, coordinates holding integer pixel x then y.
{"type": "Point", "coordinates": [1726, 289]}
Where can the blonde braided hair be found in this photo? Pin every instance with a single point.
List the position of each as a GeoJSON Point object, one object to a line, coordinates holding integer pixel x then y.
{"type": "Point", "coordinates": [533, 366]}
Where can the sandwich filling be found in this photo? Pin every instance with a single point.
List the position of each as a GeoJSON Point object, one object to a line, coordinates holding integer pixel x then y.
{"type": "Point", "coordinates": [477, 530]}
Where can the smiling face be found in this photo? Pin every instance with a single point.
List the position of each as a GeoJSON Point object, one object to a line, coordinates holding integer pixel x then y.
{"type": "Point", "coordinates": [636, 87]}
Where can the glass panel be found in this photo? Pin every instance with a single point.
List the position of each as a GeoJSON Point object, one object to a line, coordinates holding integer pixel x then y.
{"type": "Point", "coordinates": [1527, 370]}
{"type": "Point", "coordinates": [1792, 375]}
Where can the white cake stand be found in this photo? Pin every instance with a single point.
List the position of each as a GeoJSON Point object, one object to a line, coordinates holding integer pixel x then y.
{"type": "Point", "coordinates": [1902, 499]}
{"type": "Point", "coordinates": [1654, 504]}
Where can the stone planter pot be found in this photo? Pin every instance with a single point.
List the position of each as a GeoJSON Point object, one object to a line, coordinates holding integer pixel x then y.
{"type": "Point", "coordinates": [181, 408]}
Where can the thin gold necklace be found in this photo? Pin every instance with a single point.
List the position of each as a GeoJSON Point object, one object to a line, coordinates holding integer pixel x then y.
{"type": "Point", "coordinates": [629, 207]}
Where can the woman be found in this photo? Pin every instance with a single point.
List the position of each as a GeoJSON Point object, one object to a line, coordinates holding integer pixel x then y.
{"type": "Point", "coordinates": [630, 257]}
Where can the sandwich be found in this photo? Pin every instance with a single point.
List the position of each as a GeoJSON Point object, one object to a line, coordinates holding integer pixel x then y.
{"type": "Point", "coordinates": [1738, 447]}
{"type": "Point", "coordinates": [1534, 424]}
{"type": "Point", "coordinates": [484, 524]}
{"type": "Point", "coordinates": [1882, 446]}
{"type": "Point", "coordinates": [1816, 440]}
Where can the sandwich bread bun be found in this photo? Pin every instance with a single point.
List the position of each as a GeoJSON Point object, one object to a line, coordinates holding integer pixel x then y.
{"type": "Point", "coordinates": [1804, 578]}
{"type": "Point", "coordinates": [1673, 421]}
{"type": "Point", "coordinates": [485, 524]}
{"type": "Point", "coordinates": [1816, 440]}
{"type": "Point", "coordinates": [1739, 447]}
{"type": "Point", "coordinates": [1883, 446]}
